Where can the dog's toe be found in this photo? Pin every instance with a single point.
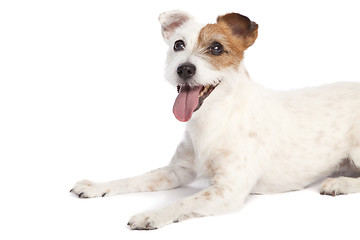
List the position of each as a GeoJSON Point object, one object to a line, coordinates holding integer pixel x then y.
{"type": "Point", "coordinates": [334, 187]}
{"type": "Point", "coordinates": [88, 189]}
{"type": "Point", "coordinates": [149, 221]}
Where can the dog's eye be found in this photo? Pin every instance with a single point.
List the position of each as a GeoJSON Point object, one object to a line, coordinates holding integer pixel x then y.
{"type": "Point", "coordinates": [179, 45]}
{"type": "Point", "coordinates": [216, 48]}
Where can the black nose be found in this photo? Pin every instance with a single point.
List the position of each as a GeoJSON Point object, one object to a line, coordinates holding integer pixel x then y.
{"type": "Point", "coordinates": [186, 70]}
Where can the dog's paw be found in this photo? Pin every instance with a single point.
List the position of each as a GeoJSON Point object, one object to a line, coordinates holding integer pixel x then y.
{"type": "Point", "coordinates": [88, 189]}
{"type": "Point", "coordinates": [334, 186]}
{"type": "Point", "coordinates": [149, 221]}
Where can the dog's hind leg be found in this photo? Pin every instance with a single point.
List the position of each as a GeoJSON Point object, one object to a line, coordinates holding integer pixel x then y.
{"type": "Point", "coordinates": [178, 173]}
{"type": "Point", "coordinates": [350, 183]}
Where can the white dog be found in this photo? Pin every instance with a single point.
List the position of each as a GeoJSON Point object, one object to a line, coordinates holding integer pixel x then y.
{"type": "Point", "coordinates": [245, 138]}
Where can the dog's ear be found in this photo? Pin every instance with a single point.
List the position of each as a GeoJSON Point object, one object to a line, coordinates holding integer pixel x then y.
{"type": "Point", "coordinates": [241, 26]}
{"type": "Point", "coordinates": [171, 20]}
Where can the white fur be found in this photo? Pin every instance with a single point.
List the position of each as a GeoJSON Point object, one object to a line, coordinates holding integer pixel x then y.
{"type": "Point", "coordinates": [248, 139]}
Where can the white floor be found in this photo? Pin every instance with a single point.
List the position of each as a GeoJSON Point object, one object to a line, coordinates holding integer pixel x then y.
{"type": "Point", "coordinates": [57, 214]}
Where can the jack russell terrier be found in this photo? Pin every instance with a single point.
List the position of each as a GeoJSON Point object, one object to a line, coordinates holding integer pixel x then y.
{"type": "Point", "coordinates": [244, 137]}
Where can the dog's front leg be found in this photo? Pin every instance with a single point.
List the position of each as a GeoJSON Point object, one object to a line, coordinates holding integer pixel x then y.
{"type": "Point", "coordinates": [228, 191]}
{"type": "Point", "coordinates": [179, 172]}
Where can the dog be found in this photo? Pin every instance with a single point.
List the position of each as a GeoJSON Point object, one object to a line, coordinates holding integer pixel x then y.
{"type": "Point", "coordinates": [245, 138]}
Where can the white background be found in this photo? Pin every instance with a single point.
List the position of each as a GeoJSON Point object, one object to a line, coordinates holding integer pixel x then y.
{"type": "Point", "coordinates": [82, 95]}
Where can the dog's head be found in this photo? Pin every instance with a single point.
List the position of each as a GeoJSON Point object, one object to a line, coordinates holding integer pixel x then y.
{"type": "Point", "coordinates": [200, 56]}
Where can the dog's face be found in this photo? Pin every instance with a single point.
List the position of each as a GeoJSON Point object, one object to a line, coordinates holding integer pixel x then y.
{"type": "Point", "coordinates": [200, 56]}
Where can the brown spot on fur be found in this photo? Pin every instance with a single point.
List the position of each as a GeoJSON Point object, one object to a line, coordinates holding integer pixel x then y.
{"type": "Point", "coordinates": [207, 195]}
{"type": "Point", "coordinates": [190, 215]}
{"type": "Point", "coordinates": [219, 191]}
{"type": "Point", "coordinates": [208, 166]}
{"type": "Point", "coordinates": [167, 180]}
{"type": "Point", "coordinates": [211, 169]}
{"type": "Point", "coordinates": [159, 181]}
{"type": "Point", "coordinates": [252, 134]}
{"type": "Point", "coordinates": [225, 152]}
{"type": "Point", "coordinates": [234, 32]}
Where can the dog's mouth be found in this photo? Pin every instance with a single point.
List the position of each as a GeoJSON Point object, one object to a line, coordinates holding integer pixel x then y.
{"type": "Point", "coordinates": [190, 100]}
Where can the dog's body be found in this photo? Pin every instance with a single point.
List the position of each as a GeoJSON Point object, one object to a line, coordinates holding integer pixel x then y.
{"type": "Point", "coordinates": [245, 138]}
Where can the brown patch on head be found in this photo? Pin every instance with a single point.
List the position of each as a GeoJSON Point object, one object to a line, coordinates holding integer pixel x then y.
{"type": "Point", "coordinates": [242, 27]}
{"type": "Point", "coordinates": [234, 32]}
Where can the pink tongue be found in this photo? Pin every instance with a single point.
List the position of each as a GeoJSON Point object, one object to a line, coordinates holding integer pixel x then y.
{"type": "Point", "coordinates": [185, 103]}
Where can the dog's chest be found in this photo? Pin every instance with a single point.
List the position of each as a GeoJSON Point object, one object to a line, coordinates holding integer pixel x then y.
{"type": "Point", "coordinates": [213, 145]}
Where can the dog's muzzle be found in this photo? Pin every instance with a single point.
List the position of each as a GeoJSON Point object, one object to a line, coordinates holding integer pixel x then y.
{"type": "Point", "coordinates": [190, 98]}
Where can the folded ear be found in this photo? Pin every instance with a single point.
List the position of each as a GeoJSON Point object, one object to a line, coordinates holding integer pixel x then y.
{"type": "Point", "coordinates": [241, 26]}
{"type": "Point", "coordinates": [171, 20]}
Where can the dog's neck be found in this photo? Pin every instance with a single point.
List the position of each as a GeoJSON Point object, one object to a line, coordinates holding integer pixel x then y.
{"type": "Point", "coordinates": [235, 91]}
{"type": "Point", "coordinates": [227, 107]}
{"type": "Point", "coordinates": [228, 103]}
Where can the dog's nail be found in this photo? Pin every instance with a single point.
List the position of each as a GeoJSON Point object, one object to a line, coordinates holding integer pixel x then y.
{"type": "Point", "coordinates": [322, 192]}
{"type": "Point", "coordinates": [71, 190]}
{"type": "Point", "coordinates": [81, 194]}
{"type": "Point", "coordinates": [333, 193]}
{"type": "Point", "coordinates": [128, 223]}
{"type": "Point", "coordinates": [103, 195]}
{"type": "Point", "coordinates": [138, 228]}
{"type": "Point", "coordinates": [176, 221]}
